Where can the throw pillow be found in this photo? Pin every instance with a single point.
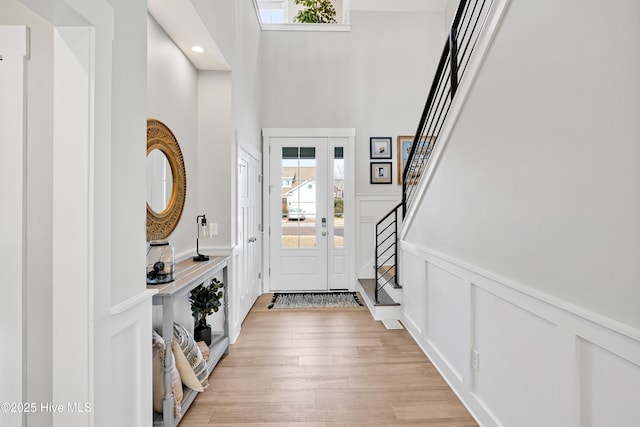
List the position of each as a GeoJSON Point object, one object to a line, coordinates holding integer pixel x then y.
{"type": "Point", "coordinates": [191, 365]}
{"type": "Point", "coordinates": [158, 378]}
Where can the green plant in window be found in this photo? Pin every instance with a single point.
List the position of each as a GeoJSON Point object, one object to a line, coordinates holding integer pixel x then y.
{"type": "Point", "coordinates": [316, 11]}
{"type": "Point", "coordinates": [338, 207]}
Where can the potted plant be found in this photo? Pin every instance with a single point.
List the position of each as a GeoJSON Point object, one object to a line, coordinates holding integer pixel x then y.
{"type": "Point", "coordinates": [205, 300]}
{"type": "Point", "coordinates": [316, 11]}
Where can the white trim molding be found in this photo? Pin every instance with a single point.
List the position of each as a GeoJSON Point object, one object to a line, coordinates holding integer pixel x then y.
{"type": "Point", "coordinates": [13, 311]}
{"type": "Point", "coordinates": [307, 27]}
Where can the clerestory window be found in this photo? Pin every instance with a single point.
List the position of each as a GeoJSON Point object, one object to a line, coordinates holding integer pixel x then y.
{"type": "Point", "coordinates": [281, 14]}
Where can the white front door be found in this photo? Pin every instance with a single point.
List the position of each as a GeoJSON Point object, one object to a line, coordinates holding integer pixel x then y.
{"type": "Point", "coordinates": [307, 237]}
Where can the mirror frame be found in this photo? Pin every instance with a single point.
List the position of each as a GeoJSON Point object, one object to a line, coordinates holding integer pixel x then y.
{"type": "Point", "coordinates": [161, 224]}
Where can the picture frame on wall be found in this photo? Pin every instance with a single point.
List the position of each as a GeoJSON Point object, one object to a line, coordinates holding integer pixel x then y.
{"type": "Point", "coordinates": [380, 173]}
{"type": "Point", "coordinates": [380, 147]}
{"type": "Point", "coordinates": [404, 148]}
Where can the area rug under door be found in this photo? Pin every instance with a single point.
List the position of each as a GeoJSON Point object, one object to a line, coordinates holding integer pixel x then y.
{"type": "Point", "coordinates": [315, 300]}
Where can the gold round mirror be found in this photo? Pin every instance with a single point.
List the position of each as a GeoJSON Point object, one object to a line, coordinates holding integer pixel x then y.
{"type": "Point", "coordinates": [166, 181]}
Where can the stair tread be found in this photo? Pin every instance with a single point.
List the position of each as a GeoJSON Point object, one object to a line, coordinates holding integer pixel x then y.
{"type": "Point", "coordinates": [369, 286]}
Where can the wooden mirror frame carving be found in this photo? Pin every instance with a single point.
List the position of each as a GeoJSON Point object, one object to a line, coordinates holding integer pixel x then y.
{"type": "Point", "coordinates": [161, 224]}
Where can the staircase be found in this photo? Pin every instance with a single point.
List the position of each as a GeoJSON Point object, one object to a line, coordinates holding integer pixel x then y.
{"type": "Point", "coordinates": [383, 294]}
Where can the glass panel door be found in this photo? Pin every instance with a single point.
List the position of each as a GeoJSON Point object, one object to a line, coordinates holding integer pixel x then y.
{"type": "Point", "coordinates": [298, 211]}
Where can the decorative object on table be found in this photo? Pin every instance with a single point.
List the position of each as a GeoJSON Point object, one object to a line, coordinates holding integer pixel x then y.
{"type": "Point", "coordinates": [404, 148]}
{"type": "Point", "coordinates": [189, 361]}
{"type": "Point", "coordinates": [160, 262]}
{"type": "Point", "coordinates": [202, 230]}
{"type": "Point", "coordinates": [166, 181]}
{"type": "Point", "coordinates": [380, 173]}
{"type": "Point", "coordinates": [316, 12]}
{"type": "Point", "coordinates": [159, 352]}
{"type": "Point", "coordinates": [380, 147]}
{"type": "Point", "coordinates": [315, 300]}
{"type": "Point", "coordinates": [205, 300]}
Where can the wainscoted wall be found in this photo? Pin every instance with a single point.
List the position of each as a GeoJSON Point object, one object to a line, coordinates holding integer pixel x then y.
{"type": "Point", "coordinates": [130, 348]}
{"type": "Point", "coordinates": [514, 355]}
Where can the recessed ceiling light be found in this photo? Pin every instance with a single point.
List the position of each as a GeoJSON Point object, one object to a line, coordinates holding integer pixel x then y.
{"type": "Point", "coordinates": [197, 49]}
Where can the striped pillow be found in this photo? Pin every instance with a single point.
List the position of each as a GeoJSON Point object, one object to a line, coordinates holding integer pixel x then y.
{"type": "Point", "coordinates": [158, 379]}
{"type": "Point", "coordinates": [191, 365]}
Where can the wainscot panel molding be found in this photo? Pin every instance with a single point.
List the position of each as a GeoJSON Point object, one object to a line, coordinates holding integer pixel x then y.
{"type": "Point", "coordinates": [514, 355]}
{"type": "Point", "coordinates": [132, 302]}
{"type": "Point", "coordinates": [130, 348]}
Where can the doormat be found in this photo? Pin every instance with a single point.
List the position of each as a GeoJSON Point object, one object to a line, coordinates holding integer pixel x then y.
{"type": "Point", "coordinates": [315, 300]}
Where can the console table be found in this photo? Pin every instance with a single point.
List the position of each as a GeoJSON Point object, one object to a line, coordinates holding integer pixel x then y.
{"type": "Point", "coordinates": [189, 275]}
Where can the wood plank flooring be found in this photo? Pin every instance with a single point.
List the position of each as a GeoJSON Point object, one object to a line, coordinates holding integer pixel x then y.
{"type": "Point", "coordinates": [324, 368]}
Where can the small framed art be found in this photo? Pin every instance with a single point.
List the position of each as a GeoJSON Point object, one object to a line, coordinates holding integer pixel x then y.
{"type": "Point", "coordinates": [380, 147]}
{"type": "Point", "coordinates": [380, 173]}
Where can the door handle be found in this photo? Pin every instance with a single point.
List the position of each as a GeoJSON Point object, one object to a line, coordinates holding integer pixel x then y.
{"type": "Point", "coordinates": [253, 239]}
{"type": "Point", "coordinates": [324, 233]}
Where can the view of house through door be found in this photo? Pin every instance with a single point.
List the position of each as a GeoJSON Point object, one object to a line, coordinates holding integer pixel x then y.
{"type": "Point", "coordinates": [307, 241]}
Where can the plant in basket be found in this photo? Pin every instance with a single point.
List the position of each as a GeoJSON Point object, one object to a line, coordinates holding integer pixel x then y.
{"type": "Point", "coordinates": [205, 300]}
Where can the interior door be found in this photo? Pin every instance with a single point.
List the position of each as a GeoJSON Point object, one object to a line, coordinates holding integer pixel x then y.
{"type": "Point", "coordinates": [299, 214]}
{"type": "Point", "coordinates": [250, 240]}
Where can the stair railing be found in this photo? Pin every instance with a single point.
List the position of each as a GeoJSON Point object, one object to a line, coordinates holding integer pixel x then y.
{"type": "Point", "coordinates": [466, 27]}
{"type": "Point", "coordinates": [386, 257]}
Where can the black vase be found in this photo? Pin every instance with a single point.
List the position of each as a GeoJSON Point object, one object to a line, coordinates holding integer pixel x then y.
{"type": "Point", "coordinates": [202, 332]}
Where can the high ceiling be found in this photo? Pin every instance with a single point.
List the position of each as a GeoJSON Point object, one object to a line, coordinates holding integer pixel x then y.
{"type": "Point", "coordinates": [182, 22]}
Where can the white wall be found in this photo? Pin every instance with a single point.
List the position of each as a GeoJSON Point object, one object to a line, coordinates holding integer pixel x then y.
{"type": "Point", "coordinates": [539, 180]}
{"type": "Point", "coordinates": [228, 111]}
{"type": "Point", "coordinates": [247, 75]}
{"type": "Point", "coordinates": [374, 78]}
{"type": "Point", "coordinates": [172, 98]}
{"type": "Point", "coordinates": [215, 147]}
{"type": "Point", "coordinates": [208, 111]}
{"type": "Point", "coordinates": [128, 152]}
{"type": "Point", "coordinates": [526, 242]}
{"type": "Point", "coordinates": [449, 13]}
{"type": "Point", "coordinates": [217, 16]}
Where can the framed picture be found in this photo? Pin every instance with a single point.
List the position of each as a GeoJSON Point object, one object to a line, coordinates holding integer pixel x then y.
{"type": "Point", "coordinates": [380, 147]}
{"type": "Point", "coordinates": [380, 173]}
{"type": "Point", "coordinates": [404, 148]}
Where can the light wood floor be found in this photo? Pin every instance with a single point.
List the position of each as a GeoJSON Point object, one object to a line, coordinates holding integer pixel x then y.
{"type": "Point", "coordinates": [321, 368]}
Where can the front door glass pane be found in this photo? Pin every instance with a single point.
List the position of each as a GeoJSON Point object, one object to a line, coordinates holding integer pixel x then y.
{"type": "Point", "coordinates": [298, 188]}
{"type": "Point", "coordinates": [338, 197]}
